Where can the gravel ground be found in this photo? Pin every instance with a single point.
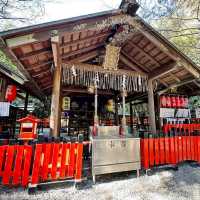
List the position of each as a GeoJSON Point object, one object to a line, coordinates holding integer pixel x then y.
{"type": "Point", "coordinates": [183, 184]}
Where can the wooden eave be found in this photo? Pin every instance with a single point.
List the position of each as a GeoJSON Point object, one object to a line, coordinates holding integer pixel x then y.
{"type": "Point", "coordinates": [147, 51]}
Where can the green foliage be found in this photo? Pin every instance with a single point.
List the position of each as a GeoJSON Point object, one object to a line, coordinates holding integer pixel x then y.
{"type": "Point", "coordinates": [42, 110]}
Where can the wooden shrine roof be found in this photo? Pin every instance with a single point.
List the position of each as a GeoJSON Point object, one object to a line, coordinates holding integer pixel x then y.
{"type": "Point", "coordinates": [83, 40]}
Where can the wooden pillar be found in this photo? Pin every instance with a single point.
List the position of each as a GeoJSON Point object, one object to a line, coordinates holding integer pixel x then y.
{"type": "Point", "coordinates": [26, 103]}
{"type": "Point", "coordinates": [2, 89]}
{"type": "Point", "coordinates": [131, 116]}
{"type": "Point", "coordinates": [55, 116]}
{"type": "Point", "coordinates": [151, 106]}
{"type": "Point", "coordinates": [116, 112]}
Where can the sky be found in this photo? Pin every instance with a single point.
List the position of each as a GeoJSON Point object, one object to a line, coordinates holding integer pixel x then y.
{"type": "Point", "coordinates": [61, 9]}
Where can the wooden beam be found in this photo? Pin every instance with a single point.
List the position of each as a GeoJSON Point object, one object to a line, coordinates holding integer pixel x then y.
{"type": "Point", "coordinates": [166, 48]}
{"type": "Point", "coordinates": [35, 53]}
{"type": "Point", "coordinates": [86, 40]}
{"type": "Point", "coordinates": [163, 82]}
{"type": "Point", "coordinates": [176, 85]}
{"type": "Point", "coordinates": [55, 116]}
{"type": "Point", "coordinates": [152, 117]}
{"type": "Point", "coordinates": [26, 103]}
{"type": "Point", "coordinates": [175, 77]}
{"type": "Point", "coordinates": [157, 64]}
{"type": "Point", "coordinates": [134, 61]}
{"type": "Point", "coordinates": [83, 50]}
{"type": "Point", "coordinates": [97, 68]}
{"type": "Point", "coordinates": [21, 68]}
{"type": "Point", "coordinates": [85, 57]}
{"type": "Point", "coordinates": [85, 91]}
{"type": "Point", "coordinates": [47, 87]}
{"type": "Point", "coordinates": [163, 70]}
{"type": "Point", "coordinates": [197, 83]}
{"type": "Point", "coordinates": [39, 65]}
{"type": "Point", "coordinates": [130, 64]}
{"type": "Point", "coordinates": [41, 73]}
{"type": "Point", "coordinates": [190, 69]}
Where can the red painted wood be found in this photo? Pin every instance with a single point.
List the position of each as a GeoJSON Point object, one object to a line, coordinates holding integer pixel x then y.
{"type": "Point", "coordinates": [64, 161]}
{"type": "Point", "coordinates": [188, 148]}
{"type": "Point", "coordinates": [146, 153]}
{"type": "Point", "coordinates": [72, 161]}
{"type": "Point", "coordinates": [184, 147]}
{"type": "Point", "coordinates": [27, 164]}
{"type": "Point", "coordinates": [172, 150]}
{"type": "Point", "coordinates": [157, 151]}
{"type": "Point", "coordinates": [151, 152]}
{"type": "Point", "coordinates": [142, 151]}
{"type": "Point", "coordinates": [7, 173]}
{"type": "Point", "coordinates": [3, 150]}
{"type": "Point", "coordinates": [56, 148]}
{"type": "Point", "coordinates": [36, 164]}
{"type": "Point", "coordinates": [79, 162]}
{"type": "Point", "coordinates": [180, 149]}
{"type": "Point", "coordinates": [195, 148]}
{"type": "Point", "coordinates": [176, 148]}
{"type": "Point", "coordinates": [17, 174]}
{"type": "Point", "coordinates": [192, 143]}
{"type": "Point", "coordinates": [198, 149]}
{"type": "Point", "coordinates": [167, 153]}
{"type": "Point", "coordinates": [47, 148]}
{"type": "Point", "coordinates": [162, 150]}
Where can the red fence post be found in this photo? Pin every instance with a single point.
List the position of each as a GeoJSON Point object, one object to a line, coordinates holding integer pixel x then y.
{"type": "Point", "coordinates": [79, 161]}
{"type": "Point", "coordinates": [18, 165]}
{"type": "Point", "coordinates": [56, 148]}
{"type": "Point", "coordinates": [167, 153]}
{"type": "Point", "coordinates": [8, 165]}
{"type": "Point", "coordinates": [36, 164]}
{"type": "Point", "coordinates": [72, 160]}
{"type": "Point", "coordinates": [64, 160]}
{"type": "Point", "coordinates": [146, 153]}
{"type": "Point", "coordinates": [157, 151]}
{"type": "Point", "coordinates": [47, 148]}
{"type": "Point", "coordinates": [151, 151]}
{"type": "Point", "coordinates": [3, 150]}
{"type": "Point", "coordinates": [162, 150]}
{"type": "Point", "coordinates": [27, 164]}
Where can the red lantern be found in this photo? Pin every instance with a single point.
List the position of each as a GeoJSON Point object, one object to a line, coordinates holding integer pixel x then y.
{"type": "Point", "coordinates": [186, 102]}
{"type": "Point", "coordinates": [168, 99]}
{"type": "Point", "coordinates": [182, 102]}
{"type": "Point", "coordinates": [163, 101]}
{"type": "Point", "coordinates": [177, 102]}
{"type": "Point", "coordinates": [173, 101]}
{"type": "Point", "coordinates": [11, 93]}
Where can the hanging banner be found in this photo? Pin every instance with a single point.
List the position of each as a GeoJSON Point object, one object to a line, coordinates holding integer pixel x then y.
{"type": "Point", "coordinates": [4, 109]}
{"type": "Point", "coordinates": [183, 113]}
{"type": "Point", "coordinates": [66, 103]}
{"type": "Point", "coordinates": [198, 113]}
{"type": "Point", "coordinates": [167, 112]}
{"type": "Point", "coordinates": [11, 93]}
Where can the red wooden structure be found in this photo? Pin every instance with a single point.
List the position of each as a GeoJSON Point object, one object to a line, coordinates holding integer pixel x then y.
{"type": "Point", "coordinates": [24, 164]}
{"type": "Point", "coordinates": [28, 129]}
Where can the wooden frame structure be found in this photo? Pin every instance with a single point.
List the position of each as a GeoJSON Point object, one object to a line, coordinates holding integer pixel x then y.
{"type": "Point", "coordinates": [41, 51]}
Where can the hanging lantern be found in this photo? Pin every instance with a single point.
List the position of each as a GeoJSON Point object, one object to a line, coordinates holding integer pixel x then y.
{"type": "Point", "coordinates": [168, 100]}
{"type": "Point", "coordinates": [186, 102]}
{"type": "Point", "coordinates": [182, 102]}
{"type": "Point", "coordinates": [163, 101]}
{"type": "Point", "coordinates": [178, 102]}
{"type": "Point", "coordinates": [11, 93]}
{"type": "Point", "coordinates": [173, 101]}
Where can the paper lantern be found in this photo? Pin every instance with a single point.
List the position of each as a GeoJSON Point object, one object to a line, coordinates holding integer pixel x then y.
{"type": "Point", "coordinates": [11, 93]}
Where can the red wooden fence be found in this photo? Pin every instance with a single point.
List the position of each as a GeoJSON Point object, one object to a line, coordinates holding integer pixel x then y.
{"type": "Point", "coordinates": [169, 150]}
{"type": "Point", "coordinates": [24, 164]}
